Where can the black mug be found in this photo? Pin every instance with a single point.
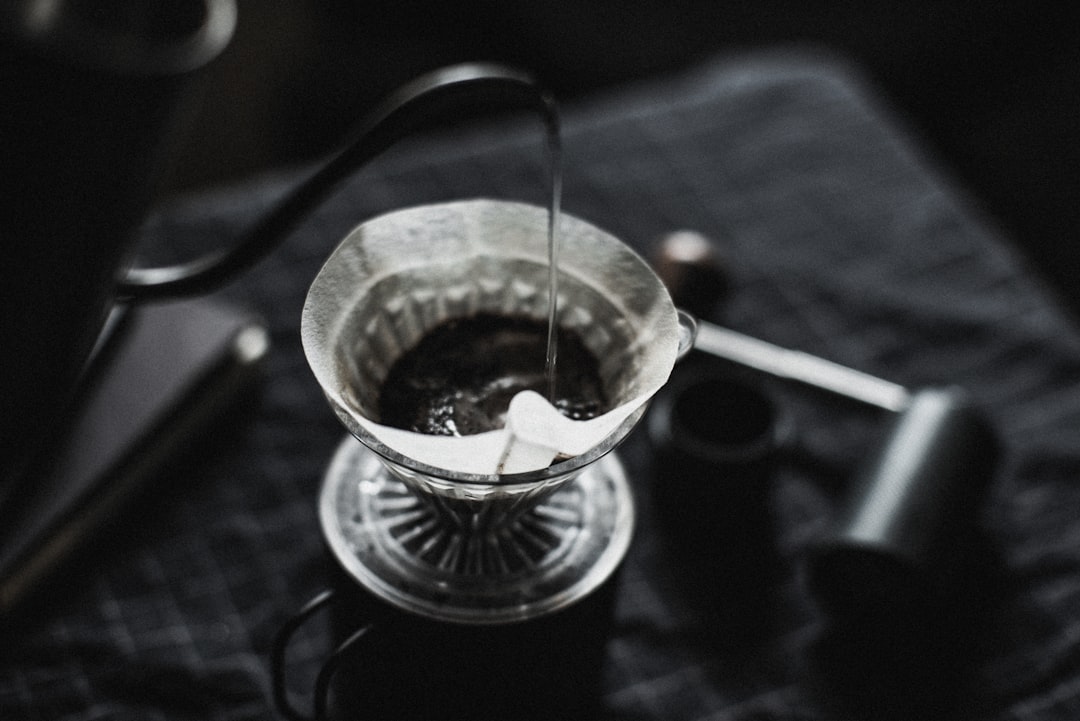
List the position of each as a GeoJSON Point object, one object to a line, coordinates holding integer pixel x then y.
{"type": "Point", "coordinates": [718, 437]}
{"type": "Point", "coordinates": [389, 663]}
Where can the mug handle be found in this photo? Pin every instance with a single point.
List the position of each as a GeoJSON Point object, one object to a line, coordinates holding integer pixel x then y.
{"type": "Point", "coordinates": [321, 693]}
{"type": "Point", "coordinates": [392, 120]}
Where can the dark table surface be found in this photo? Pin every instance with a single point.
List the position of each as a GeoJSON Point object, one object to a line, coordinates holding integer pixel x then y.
{"type": "Point", "coordinates": [845, 241]}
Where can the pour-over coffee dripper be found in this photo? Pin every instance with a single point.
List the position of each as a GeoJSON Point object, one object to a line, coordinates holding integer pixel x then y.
{"type": "Point", "coordinates": [490, 593]}
{"type": "Point", "coordinates": [460, 545]}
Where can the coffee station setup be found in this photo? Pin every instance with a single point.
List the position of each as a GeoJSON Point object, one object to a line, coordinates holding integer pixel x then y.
{"type": "Point", "coordinates": [500, 456]}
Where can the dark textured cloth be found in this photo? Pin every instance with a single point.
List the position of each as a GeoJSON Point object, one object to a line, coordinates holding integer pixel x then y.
{"type": "Point", "coordinates": [845, 241]}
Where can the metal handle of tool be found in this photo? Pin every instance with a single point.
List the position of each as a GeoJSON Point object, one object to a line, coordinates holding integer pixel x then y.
{"type": "Point", "coordinates": [798, 366]}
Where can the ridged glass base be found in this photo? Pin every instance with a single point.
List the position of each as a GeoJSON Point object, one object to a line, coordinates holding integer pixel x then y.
{"type": "Point", "coordinates": [453, 559]}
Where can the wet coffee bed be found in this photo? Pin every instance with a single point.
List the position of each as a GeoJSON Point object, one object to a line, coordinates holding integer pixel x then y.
{"type": "Point", "coordinates": [459, 378]}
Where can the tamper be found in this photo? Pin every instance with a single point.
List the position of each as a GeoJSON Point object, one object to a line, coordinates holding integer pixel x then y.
{"type": "Point", "coordinates": [900, 577]}
{"type": "Point", "coordinates": [902, 541]}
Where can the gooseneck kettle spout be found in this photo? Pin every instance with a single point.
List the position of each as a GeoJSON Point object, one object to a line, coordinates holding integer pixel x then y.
{"type": "Point", "coordinates": [409, 107]}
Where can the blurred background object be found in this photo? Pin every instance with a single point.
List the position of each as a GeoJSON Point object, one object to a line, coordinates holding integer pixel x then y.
{"type": "Point", "coordinates": [94, 97]}
{"type": "Point", "coordinates": [992, 89]}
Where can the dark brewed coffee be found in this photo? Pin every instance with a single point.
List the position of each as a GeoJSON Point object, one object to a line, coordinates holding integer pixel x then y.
{"type": "Point", "coordinates": [459, 379]}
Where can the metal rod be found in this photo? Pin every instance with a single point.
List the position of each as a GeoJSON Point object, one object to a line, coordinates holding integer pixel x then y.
{"type": "Point", "coordinates": [801, 367]}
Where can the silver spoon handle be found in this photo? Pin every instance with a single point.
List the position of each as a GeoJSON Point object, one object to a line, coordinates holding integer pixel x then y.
{"type": "Point", "coordinates": [799, 366]}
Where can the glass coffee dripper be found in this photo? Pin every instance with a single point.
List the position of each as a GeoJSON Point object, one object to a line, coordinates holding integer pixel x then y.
{"type": "Point", "coordinates": [462, 545]}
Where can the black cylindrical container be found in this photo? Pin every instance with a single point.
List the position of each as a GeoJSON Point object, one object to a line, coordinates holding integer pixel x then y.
{"type": "Point", "coordinates": [716, 438]}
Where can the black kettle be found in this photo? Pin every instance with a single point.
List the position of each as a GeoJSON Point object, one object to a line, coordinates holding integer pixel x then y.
{"type": "Point", "coordinates": [92, 94]}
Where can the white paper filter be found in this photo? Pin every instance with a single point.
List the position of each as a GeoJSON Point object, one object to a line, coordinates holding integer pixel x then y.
{"type": "Point", "coordinates": [396, 277]}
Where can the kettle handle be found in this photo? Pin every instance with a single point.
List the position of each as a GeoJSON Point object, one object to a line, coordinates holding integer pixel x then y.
{"type": "Point", "coordinates": [390, 121]}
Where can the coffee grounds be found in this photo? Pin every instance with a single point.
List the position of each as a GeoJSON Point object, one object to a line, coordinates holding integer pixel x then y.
{"type": "Point", "coordinates": [459, 378]}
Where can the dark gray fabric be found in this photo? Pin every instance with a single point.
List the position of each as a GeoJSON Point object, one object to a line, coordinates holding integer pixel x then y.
{"type": "Point", "coordinates": [846, 241]}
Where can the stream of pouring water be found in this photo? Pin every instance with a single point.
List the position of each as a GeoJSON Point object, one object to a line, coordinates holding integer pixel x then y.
{"type": "Point", "coordinates": [554, 148]}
